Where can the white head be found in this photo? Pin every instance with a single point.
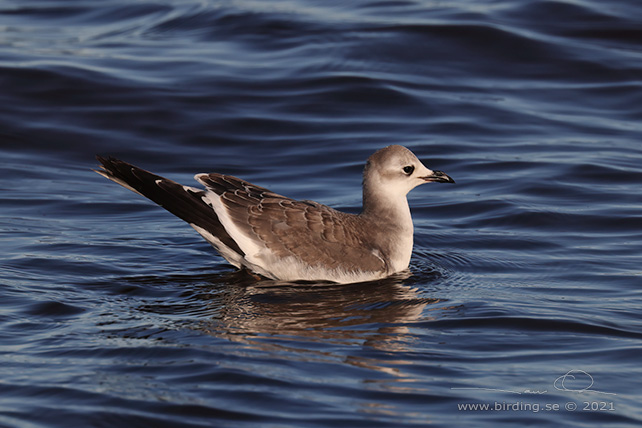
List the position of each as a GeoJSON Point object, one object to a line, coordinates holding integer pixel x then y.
{"type": "Point", "coordinates": [394, 171]}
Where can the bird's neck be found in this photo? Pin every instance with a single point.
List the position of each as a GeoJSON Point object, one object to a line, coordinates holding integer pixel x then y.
{"type": "Point", "coordinates": [389, 208]}
{"type": "Point", "coordinates": [388, 215]}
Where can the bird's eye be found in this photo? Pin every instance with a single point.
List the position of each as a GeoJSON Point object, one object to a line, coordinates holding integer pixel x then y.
{"type": "Point", "coordinates": [408, 169]}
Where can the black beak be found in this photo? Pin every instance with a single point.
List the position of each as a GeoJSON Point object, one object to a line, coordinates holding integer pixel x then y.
{"type": "Point", "coordinates": [439, 177]}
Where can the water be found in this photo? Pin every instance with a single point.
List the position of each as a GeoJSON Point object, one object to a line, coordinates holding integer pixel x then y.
{"type": "Point", "coordinates": [526, 273]}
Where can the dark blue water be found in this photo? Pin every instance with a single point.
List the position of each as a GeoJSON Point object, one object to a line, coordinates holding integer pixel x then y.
{"type": "Point", "coordinates": [114, 313]}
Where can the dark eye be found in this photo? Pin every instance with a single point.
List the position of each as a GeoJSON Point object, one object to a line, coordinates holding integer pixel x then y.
{"type": "Point", "coordinates": [408, 169]}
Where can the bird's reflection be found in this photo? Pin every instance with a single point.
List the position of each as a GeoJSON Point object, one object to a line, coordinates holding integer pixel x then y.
{"type": "Point", "coordinates": [298, 318]}
{"type": "Point", "coordinates": [241, 307]}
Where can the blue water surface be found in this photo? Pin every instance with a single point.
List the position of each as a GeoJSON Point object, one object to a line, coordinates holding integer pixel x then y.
{"type": "Point", "coordinates": [524, 303]}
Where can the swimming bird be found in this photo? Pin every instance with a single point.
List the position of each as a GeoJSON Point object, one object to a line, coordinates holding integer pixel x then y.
{"type": "Point", "coordinates": [285, 239]}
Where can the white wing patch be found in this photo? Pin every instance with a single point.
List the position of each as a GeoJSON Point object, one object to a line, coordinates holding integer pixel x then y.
{"type": "Point", "coordinates": [252, 248]}
{"type": "Point", "coordinates": [225, 251]}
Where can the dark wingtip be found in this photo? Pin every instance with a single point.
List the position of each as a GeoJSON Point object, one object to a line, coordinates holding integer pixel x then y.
{"type": "Point", "coordinates": [107, 159]}
{"type": "Point", "coordinates": [111, 164]}
{"type": "Point", "coordinates": [103, 160]}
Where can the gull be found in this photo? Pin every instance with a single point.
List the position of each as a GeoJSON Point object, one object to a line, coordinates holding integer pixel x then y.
{"type": "Point", "coordinates": [296, 240]}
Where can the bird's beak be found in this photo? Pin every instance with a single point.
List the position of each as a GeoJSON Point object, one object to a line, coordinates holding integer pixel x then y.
{"type": "Point", "coordinates": [438, 177]}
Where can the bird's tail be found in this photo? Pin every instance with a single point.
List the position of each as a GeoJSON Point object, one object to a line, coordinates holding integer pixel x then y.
{"type": "Point", "coordinates": [184, 202]}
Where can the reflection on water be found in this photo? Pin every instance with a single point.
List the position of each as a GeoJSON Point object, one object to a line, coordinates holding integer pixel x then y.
{"type": "Point", "coordinates": [279, 316]}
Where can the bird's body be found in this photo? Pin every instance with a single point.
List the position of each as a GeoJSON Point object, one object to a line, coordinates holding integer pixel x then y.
{"type": "Point", "coordinates": [286, 239]}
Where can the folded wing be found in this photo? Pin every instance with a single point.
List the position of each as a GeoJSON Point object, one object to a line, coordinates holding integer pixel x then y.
{"type": "Point", "coordinates": [268, 233]}
{"type": "Point", "coordinates": [275, 228]}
